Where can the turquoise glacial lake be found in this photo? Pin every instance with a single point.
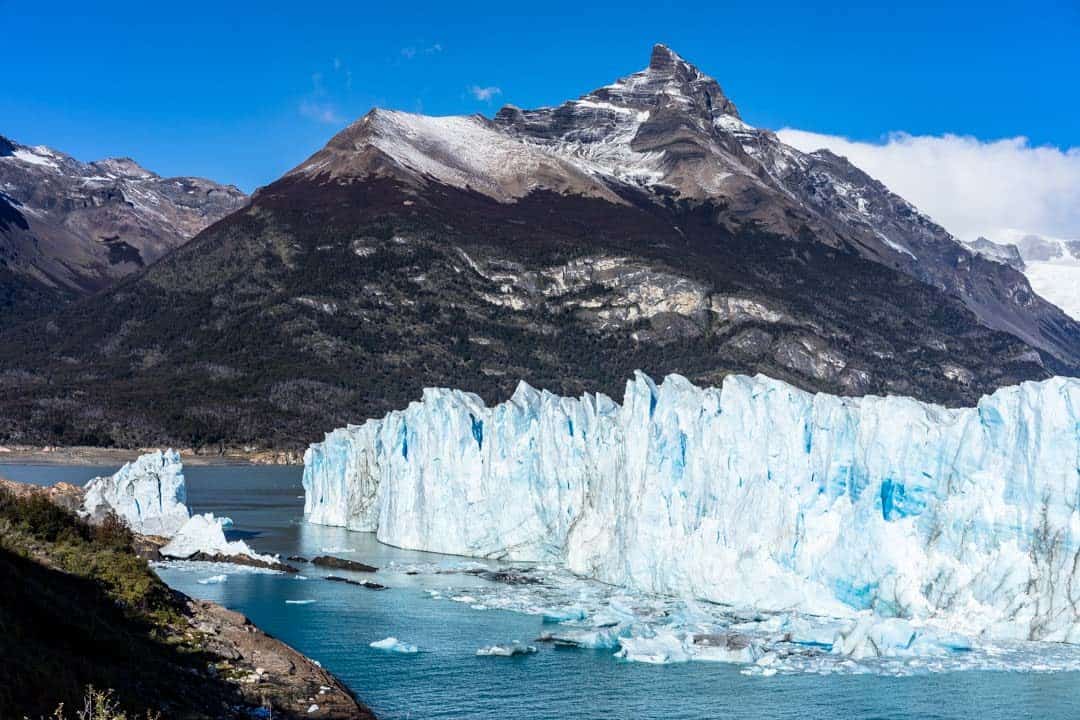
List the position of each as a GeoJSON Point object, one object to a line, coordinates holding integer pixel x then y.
{"type": "Point", "coordinates": [334, 623]}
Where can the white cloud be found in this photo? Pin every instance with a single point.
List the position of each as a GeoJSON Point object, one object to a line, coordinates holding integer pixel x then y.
{"type": "Point", "coordinates": [971, 187]}
{"type": "Point", "coordinates": [320, 112]}
{"type": "Point", "coordinates": [485, 93]}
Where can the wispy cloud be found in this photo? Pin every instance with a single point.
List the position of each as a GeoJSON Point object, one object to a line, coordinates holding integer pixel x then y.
{"type": "Point", "coordinates": [412, 51]}
{"type": "Point", "coordinates": [485, 94]}
{"type": "Point", "coordinates": [972, 187]}
{"type": "Point", "coordinates": [318, 104]}
{"type": "Point", "coordinates": [322, 112]}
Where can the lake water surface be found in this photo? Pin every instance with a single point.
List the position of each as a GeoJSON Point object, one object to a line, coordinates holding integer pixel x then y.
{"type": "Point", "coordinates": [446, 679]}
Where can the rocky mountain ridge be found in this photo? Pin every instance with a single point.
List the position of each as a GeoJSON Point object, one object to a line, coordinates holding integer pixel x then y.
{"type": "Point", "coordinates": [643, 226]}
{"type": "Point", "coordinates": [68, 228]}
{"type": "Point", "coordinates": [670, 132]}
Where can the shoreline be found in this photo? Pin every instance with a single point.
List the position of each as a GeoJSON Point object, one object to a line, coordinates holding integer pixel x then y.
{"type": "Point", "coordinates": [244, 663]}
{"type": "Point", "coordinates": [84, 455]}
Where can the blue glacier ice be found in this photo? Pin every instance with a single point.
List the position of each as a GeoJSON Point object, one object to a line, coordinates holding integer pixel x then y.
{"type": "Point", "coordinates": [148, 494]}
{"type": "Point", "coordinates": [908, 520]}
{"type": "Point", "coordinates": [392, 644]}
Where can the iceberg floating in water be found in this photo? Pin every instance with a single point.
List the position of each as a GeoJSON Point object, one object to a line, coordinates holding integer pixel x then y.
{"type": "Point", "coordinates": [148, 494]}
{"type": "Point", "coordinates": [392, 644]}
{"type": "Point", "coordinates": [206, 534]}
{"type": "Point", "coordinates": [755, 495]}
{"type": "Point", "coordinates": [603, 639]}
{"type": "Point", "coordinates": [213, 580]}
{"type": "Point", "coordinates": [506, 650]}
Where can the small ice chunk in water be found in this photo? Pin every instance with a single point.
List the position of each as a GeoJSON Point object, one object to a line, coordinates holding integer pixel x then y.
{"type": "Point", "coordinates": [725, 647]}
{"type": "Point", "coordinates": [662, 649]}
{"type": "Point", "coordinates": [299, 602]}
{"type": "Point", "coordinates": [214, 580]}
{"type": "Point", "coordinates": [872, 637]}
{"type": "Point", "coordinates": [589, 639]}
{"type": "Point", "coordinates": [392, 644]}
{"type": "Point", "coordinates": [559, 615]}
{"type": "Point", "coordinates": [506, 650]}
{"type": "Point", "coordinates": [806, 631]}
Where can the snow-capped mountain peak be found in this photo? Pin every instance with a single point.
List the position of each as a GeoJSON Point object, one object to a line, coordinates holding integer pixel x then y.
{"type": "Point", "coordinates": [669, 132]}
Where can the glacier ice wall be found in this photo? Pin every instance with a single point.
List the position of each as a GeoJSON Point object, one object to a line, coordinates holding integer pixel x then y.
{"type": "Point", "coordinates": [755, 494]}
{"type": "Point", "coordinates": [148, 494]}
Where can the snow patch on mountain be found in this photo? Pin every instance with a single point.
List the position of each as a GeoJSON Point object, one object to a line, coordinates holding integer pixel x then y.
{"type": "Point", "coordinates": [34, 156]}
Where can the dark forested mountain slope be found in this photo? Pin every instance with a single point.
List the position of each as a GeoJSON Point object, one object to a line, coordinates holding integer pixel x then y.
{"type": "Point", "coordinates": [642, 226]}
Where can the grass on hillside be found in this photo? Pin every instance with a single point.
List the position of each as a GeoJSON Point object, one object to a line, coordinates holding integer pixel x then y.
{"type": "Point", "coordinates": [79, 608]}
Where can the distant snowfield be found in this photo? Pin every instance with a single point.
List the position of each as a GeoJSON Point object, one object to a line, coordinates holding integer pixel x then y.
{"type": "Point", "coordinates": [1057, 281]}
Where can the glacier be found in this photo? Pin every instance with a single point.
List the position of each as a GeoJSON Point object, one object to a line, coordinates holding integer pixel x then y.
{"type": "Point", "coordinates": [148, 494]}
{"type": "Point", "coordinates": [206, 534]}
{"type": "Point", "coordinates": [896, 515]}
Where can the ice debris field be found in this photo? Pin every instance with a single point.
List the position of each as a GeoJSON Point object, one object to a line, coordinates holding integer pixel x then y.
{"type": "Point", "coordinates": [753, 523]}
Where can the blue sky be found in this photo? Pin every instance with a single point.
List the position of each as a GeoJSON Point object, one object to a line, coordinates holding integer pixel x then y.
{"type": "Point", "coordinates": [241, 92]}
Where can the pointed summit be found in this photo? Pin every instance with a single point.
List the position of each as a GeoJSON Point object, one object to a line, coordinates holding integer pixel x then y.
{"type": "Point", "coordinates": [670, 75]}
{"type": "Point", "coordinates": [664, 59]}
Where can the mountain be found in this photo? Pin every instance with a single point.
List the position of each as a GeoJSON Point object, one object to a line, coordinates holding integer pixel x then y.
{"type": "Point", "coordinates": [68, 228]}
{"type": "Point", "coordinates": [1052, 265]}
{"type": "Point", "coordinates": [644, 225]}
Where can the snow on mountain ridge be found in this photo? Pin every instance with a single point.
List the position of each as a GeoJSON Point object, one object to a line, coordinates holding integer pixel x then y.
{"type": "Point", "coordinates": [668, 134]}
{"type": "Point", "coordinates": [77, 227]}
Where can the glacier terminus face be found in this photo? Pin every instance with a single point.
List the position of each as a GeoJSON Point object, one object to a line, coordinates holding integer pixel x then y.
{"type": "Point", "coordinates": [149, 494]}
{"type": "Point", "coordinates": [754, 495]}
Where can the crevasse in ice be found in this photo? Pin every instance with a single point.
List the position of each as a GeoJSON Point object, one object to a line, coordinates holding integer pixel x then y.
{"type": "Point", "coordinates": [755, 494]}
{"type": "Point", "coordinates": [148, 494]}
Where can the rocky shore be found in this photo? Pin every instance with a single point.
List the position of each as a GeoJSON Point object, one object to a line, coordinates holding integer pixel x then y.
{"type": "Point", "coordinates": [205, 661]}
{"type": "Point", "coordinates": [266, 671]}
{"type": "Point", "coordinates": [81, 455]}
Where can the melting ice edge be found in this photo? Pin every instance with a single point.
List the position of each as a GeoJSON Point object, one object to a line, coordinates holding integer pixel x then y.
{"type": "Point", "coordinates": [828, 529]}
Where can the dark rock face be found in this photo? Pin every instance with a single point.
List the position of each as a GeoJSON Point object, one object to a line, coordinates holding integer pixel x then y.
{"type": "Point", "coordinates": [69, 228]}
{"type": "Point", "coordinates": [687, 140]}
{"type": "Point", "coordinates": [643, 226]}
{"type": "Point", "coordinates": [342, 564]}
{"type": "Point", "coordinates": [508, 576]}
{"type": "Point", "coordinates": [364, 583]}
{"type": "Point", "coordinates": [241, 560]}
